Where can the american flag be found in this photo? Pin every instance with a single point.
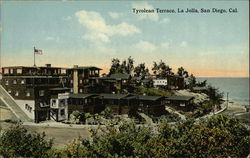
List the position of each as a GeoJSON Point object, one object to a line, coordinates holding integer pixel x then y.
{"type": "Point", "coordinates": [38, 51]}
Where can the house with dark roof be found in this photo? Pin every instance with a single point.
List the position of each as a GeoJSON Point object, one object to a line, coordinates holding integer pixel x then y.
{"type": "Point", "coordinates": [90, 103]}
{"type": "Point", "coordinates": [199, 89]}
{"type": "Point", "coordinates": [180, 102]}
{"type": "Point", "coordinates": [116, 83]}
{"type": "Point", "coordinates": [151, 105]}
{"type": "Point", "coordinates": [120, 103]}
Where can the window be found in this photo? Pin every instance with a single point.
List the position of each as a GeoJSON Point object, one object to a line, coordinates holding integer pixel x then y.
{"type": "Point", "coordinates": [63, 71]}
{"type": "Point", "coordinates": [27, 93]}
{"type": "Point", "coordinates": [11, 71]}
{"type": "Point", "coordinates": [80, 90]}
{"type": "Point", "coordinates": [53, 103]}
{"type": "Point", "coordinates": [62, 112]}
{"type": "Point", "coordinates": [19, 71]}
{"type": "Point", "coordinates": [71, 90]}
{"type": "Point", "coordinates": [62, 102]}
{"type": "Point", "coordinates": [71, 81]}
{"type": "Point", "coordinates": [111, 102]}
{"type": "Point", "coordinates": [14, 82]}
{"type": "Point", "coordinates": [167, 102]}
{"type": "Point", "coordinates": [9, 91]}
{"type": "Point", "coordinates": [22, 81]}
{"type": "Point", "coordinates": [6, 71]}
{"type": "Point", "coordinates": [85, 101]}
{"type": "Point", "coordinates": [80, 81]}
{"type": "Point", "coordinates": [182, 104]}
{"type": "Point", "coordinates": [17, 93]}
{"type": "Point", "coordinates": [6, 82]}
{"type": "Point", "coordinates": [41, 93]}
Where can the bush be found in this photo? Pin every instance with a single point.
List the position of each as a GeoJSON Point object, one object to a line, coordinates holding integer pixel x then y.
{"type": "Point", "coordinates": [17, 142]}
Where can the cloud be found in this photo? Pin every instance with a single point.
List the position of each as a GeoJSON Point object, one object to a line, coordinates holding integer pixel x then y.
{"type": "Point", "coordinates": [145, 46]}
{"type": "Point", "coordinates": [67, 18]}
{"type": "Point", "coordinates": [183, 44]}
{"type": "Point", "coordinates": [144, 16]}
{"type": "Point", "coordinates": [96, 36]}
{"type": "Point", "coordinates": [165, 20]}
{"type": "Point", "coordinates": [50, 38]}
{"type": "Point", "coordinates": [99, 30]}
{"type": "Point", "coordinates": [115, 15]}
{"type": "Point", "coordinates": [165, 44]}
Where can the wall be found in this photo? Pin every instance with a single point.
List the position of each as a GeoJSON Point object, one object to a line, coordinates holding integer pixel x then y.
{"type": "Point", "coordinates": [75, 81]}
{"type": "Point", "coordinates": [31, 104]}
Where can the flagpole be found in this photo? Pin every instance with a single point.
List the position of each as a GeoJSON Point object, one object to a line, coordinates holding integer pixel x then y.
{"type": "Point", "coordinates": [34, 57]}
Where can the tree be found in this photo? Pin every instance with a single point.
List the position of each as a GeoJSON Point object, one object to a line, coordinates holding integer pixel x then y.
{"type": "Point", "coordinates": [124, 67]}
{"type": "Point", "coordinates": [182, 72]}
{"type": "Point", "coordinates": [191, 82]}
{"type": "Point", "coordinates": [240, 134]}
{"type": "Point", "coordinates": [141, 70]}
{"type": "Point", "coordinates": [130, 65]}
{"type": "Point", "coordinates": [18, 142]}
{"type": "Point", "coordinates": [161, 69]}
{"type": "Point", "coordinates": [115, 66]}
{"type": "Point", "coordinates": [214, 94]}
{"type": "Point", "coordinates": [202, 84]}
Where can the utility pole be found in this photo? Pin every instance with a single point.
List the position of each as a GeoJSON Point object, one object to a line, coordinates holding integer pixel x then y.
{"type": "Point", "coordinates": [34, 57]}
{"type": "Point", "coordinates": [227, 98]}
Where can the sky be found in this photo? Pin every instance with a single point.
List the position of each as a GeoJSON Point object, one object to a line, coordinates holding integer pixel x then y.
{"type": "Point", "coordinates": [93, 32]}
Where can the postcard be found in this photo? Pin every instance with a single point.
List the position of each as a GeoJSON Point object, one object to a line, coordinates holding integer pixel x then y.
{"type": "Point", "coordinates": [124, 78]}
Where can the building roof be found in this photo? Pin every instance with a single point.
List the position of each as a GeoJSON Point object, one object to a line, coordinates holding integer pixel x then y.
{"type": "Point", "coordinates": [83, 96]}
{"type": "Point", "coordinates": [139, 78]}
{"type": "Point", "coordinates": [86, 67]}
{"type": "Point", "coordinates": [180, 98]}
{"type": "Point", "coordinates": [147, 80]}
{"type": "Point", "coordinates": [15, 76]}
{"type": "Point", "coordinates": [120, 76]}
{"type": "Point", "coordinates": [199, 88]}
{"type": "Point", "coordinates": [117, 96]}
{"type": "Point", "coordinates": [151, 98]}
{"type": "Point", "coordinates": [35, 67]}
{"type": "Point", "coordinates": [59, 89]}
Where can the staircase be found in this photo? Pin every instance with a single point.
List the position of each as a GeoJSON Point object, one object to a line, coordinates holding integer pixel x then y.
{"type": "Point", "coordinates": [12, 105]}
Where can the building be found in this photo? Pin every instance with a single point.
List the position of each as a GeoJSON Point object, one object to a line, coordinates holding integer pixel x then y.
{"type": "Point", "coordinates": [120, 103]}
{"type": "Point", "coordinates": [184, 103]}
{"type": "Point", "coordinates": [160, 82]}
{"type": "Point", "coordinates": [152, 105]}
{"type": "Point", "coordinates": [30, 87]}
{"type": "Point", "coordinates": [199, 89]}
{"type": "Point", "coordinates": [59, 107]}
{"type": "Point", "coordinates": [116, 83]}
{"type": "Point", "coordinates": [87, 103]}
{"type": "Point", "coordinates": [169, 82]}
{"type": "Point", "coordinates": [83, 79]}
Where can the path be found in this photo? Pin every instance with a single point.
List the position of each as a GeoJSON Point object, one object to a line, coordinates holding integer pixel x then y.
{"type": "Point", "coordinates": [149, 120]}
{"type": "Point", "coordinates": [12, 105]}
{"type": "Point", "coordinates": [171, 110]}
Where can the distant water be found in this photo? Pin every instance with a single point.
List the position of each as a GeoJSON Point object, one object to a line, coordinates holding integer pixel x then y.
{"type": "Point", "coordinates": [238, 88]}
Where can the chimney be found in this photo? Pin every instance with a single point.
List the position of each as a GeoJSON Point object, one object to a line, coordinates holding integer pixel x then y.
{"type": "Point", "coordinates": [48, 65]}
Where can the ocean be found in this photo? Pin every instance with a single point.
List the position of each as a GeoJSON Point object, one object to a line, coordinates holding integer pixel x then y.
{"type": "Point", "coordinates": [238, 88]}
